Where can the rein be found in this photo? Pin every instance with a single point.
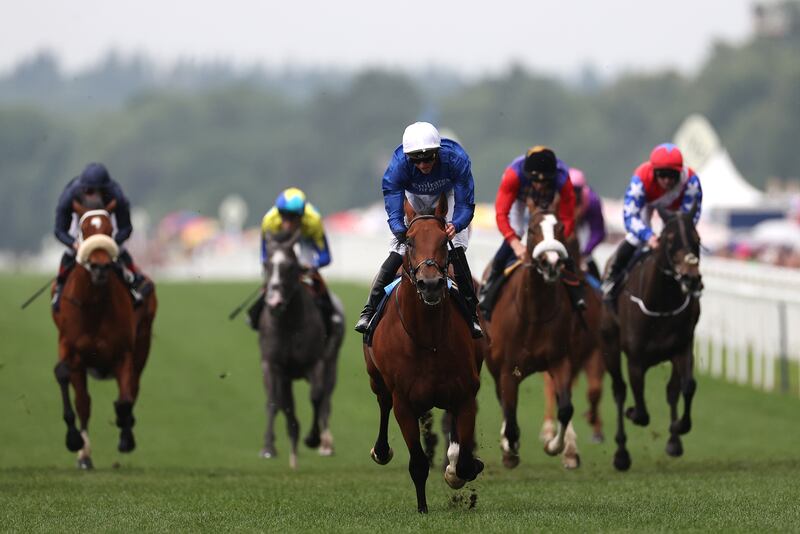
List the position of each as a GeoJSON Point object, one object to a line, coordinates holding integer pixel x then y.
{"type": "Point", "coordinates": [411, 272]}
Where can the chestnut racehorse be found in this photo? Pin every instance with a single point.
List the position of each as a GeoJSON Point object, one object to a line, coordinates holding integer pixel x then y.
{"type": "Point", "coordinates": [423, 356]}
{"type": "Point", "coordinates": [656, 313]}
{"type": "Point", "coordinates": [534, 328]}
{"type": "Point", "coordinates": [99, 331]}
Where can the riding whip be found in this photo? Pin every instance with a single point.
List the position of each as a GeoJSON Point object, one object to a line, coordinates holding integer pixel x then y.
{"type": "Point", "coordinates": [241, 306]}
{"type": "Point", "coordinates": [38, 292]}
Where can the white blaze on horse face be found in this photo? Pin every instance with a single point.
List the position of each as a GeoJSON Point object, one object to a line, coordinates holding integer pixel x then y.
{"type": "Point", "coordinates": [277, 258]}
{"type": "Point", "coordinates": [548, 226]}
{"type": "Point", "coordinates": [96, 222]}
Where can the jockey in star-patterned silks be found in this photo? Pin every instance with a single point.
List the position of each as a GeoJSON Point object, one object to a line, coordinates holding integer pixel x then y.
{"type": "Point", "coordinates": [422, 168]}
{"type": "Point", "coordinates": [661, 182]}
{"type": "Point", "coordinates": [292, 212]}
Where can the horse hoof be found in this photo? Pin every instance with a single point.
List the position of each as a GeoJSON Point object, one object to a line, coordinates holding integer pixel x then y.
{"type": "Point", "coordinates": [622, 460]}
{"type": "Point", "coordinates": [598, 437]}
{"type": "Point", "coordinates": [637, 417]}
{"type": "Point", "coordinates": [554, 450]}
{"type": "Point", "coordinates": [452, 478]}
{"type": "Point", "coordinates": [85, 464]}
{"type": "Point", "coordinates": [325, 451]}
{"type": "Point", "coordinates": [423, 509]}
{"type": "Point", "coordinates": [126, 441]}
{"type": "Point", "coordinates": [510, 460]}
{"type": "Point", "coordinates": [674, 447]}
{"type": "Point", "coordinates": [74, 440]}
{"type": "Point", "coordinates": [267, 453]}
{"type": "Point", "coordinates": [572, 462]}
{"type": "Point", "coordinates": [380, 461]}
{"type": "Point", "coordinates": [312, 441]}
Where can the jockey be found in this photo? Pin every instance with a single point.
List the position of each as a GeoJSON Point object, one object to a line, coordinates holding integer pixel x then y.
{"type": "Point", "coordinates": [421, 169]}
{"type": "Point", "coordinates": [95, 183]}
{"type": "Point", "coordinates": [538, 174]}
{"type": "Point", "coordinates": [662, 182]}
{"type": "Point", "coordinates": [290, 212]}
{"type": "Point", "coordinates": [590, 226]}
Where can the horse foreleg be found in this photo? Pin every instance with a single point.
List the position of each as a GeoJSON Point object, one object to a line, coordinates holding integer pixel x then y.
{"type": "Point", "coordinates": [83, 404]}
{"type": "Point", "coordinates": [509, 431]}
{"type": "Point", "coordinates": [548, 430]}
{"type": "Point", "coordinates": [124, 404]}
{"type": "Point", "coordinates": [74, 440]}
{"type": "Point", "coordinates": [448, 431]}
{"type": "Point", "coordinates": [271, 408]}
{"type": "Point", "coordinates": [292, 425]}
{"type": "Point", "coordinates": [381, 452]}
{"type": "Point", "coordinates": [313, 440]}
{"type": "Point", "coordinates": [463, 466]}
{"type": "Point", "coordinates": [418, 465]}
{"type": "Point", "coordinates": [613, 361]}
{"type": "Point", "coordinates": [674, 446]}
{"type": "Point", "coordinates": [638, 412]}
{"type": "Point", "coordinates": [685, 367]}
{"type": "Point", "coordinates": [562, 380]}
{"type": "Point", "coordinates": [595, 369]}
{"type": "Point", "coordinates": [329, 377]}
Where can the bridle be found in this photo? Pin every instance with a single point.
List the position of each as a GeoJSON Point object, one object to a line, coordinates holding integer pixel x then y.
{"type": "Point", "coordinates": [686, 281]}
{"type": "Point", "coordinates": [411, 271]}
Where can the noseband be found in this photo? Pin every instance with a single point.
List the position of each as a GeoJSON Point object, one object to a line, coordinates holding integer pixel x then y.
{"type": "Point", "coordinates": [690, 258]}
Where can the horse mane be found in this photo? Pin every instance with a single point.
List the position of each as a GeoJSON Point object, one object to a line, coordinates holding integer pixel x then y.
{"type": "Point", "coordinates": [92, 202]}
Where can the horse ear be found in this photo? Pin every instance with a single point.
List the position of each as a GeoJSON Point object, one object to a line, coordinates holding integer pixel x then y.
{"type": "Point", "coordinates": [111, 206]}
{"type": "Point", "coordinates": [294, 238]}
{"type": "Point", "coordinates": [410, 213]}
{"type": "Point", "coordinates": [78, 208]}
{"type": "Point", "coordinates": [441, 207]}
{"type": "Point", "coordinates": [531, 205]}
{"type": "Point", "coordinates": [665, 214]}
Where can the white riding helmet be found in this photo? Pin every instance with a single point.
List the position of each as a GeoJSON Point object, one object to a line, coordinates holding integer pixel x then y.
{"type": "Point", "coordinates": [420, 137]}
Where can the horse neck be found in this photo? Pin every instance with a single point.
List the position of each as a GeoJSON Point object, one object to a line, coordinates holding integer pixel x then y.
{"type": "Point", "coordinates": [536, 297]}
{"type": "Point", "coordinates": [94, 298]}
{"type": "Point", "coordinates": [662, 291]}
{"type": "Point", "coordinates": [425, 324]}
{"type": "Point", "coordinates": [292, 317]}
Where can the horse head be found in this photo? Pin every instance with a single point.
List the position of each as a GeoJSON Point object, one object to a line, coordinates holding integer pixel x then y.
{"type": "Point", "coordinates": [281, 271]}
{"type": "Point", "coordinates": [545, 242]}
{"type": "Point", "coordinates": [680, 244]}
{"type": "Point", "coordinates": [98, 250]}
{"type": "Point", "coordinates": [425, 261]}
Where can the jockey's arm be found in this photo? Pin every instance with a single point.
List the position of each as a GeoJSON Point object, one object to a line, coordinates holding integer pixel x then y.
{"type": "Point", "coordinates": [566, 208]}
{"type": "Point", "coordinates": [691, 195]}
{"type": "Point", "coordinates": [506, 195]}
{"type": "Point", "coordinates": [463, 195]}
{"type": "Point", "coordinates": [314, 231]}
{"type": "Point", "coordinates": [122, 214]}
{"type": "Point", "coordinates": [394, 195]}
{"type": "Point", "coordinates": [632, 210]}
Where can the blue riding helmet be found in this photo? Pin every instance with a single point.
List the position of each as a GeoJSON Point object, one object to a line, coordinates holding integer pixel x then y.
{"type": "Point", "coordinates": [291, 201]}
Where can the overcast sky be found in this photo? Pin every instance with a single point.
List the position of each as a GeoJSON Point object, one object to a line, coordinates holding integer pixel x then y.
{"type": "Point", "coordinates": [549, 36]}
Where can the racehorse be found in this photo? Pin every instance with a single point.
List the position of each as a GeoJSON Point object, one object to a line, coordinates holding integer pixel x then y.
{"type": "Point", "coordinates": [423, 356]}
{"type": "Point", "coordinates": [534, 328]}
{"type": "Point", "coordinates": [99, 331]}
{"type": "Point", "coordinates": [656, 313]}
{"type": "Point", "coordinates": [294, 345]}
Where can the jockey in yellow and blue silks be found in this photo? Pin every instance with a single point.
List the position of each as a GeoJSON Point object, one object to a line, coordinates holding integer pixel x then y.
{"type": "Point", "coordinates": [292, 212]}
{"type": "Point", "coordinates": [291, 209]}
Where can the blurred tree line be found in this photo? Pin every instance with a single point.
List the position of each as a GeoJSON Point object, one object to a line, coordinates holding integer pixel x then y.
{"type": "Point", "coordinates": [187, 139]}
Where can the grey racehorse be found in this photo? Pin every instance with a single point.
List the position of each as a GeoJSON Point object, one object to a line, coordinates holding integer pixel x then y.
{"type": "Point", "coordinates": [294, 345]}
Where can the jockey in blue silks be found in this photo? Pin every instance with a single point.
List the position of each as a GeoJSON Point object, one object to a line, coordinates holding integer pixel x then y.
{"type": "Point", "coordinates": [421, 169]}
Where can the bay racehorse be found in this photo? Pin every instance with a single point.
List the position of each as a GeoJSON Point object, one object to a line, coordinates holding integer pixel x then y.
{"type": "Point", "coordinates": [423, 356]}
{"type": "Point", "coordinates": [534, 328]}
{"type": "Point", "coordinates": [653, 321]}
{"type": "Point", "coordinates": [100, 332]}
{"type": "Point", "coordinates": [294, 345]}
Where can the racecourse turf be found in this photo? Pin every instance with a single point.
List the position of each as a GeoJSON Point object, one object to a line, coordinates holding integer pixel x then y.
{"type": "Point", "coordinates": [200, 420]}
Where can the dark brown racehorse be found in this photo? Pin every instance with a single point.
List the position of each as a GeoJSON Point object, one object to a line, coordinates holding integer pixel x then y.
{"type": "Point", "coordinates": [658, 309]}
{"type": "Point", "coordinates": [294, 346]}
{"type": "Point", "coordinates": [100, 332]}
{"type": "Point", "coordinates": [423, 356]}
{"type": "Point", "coordinates": [534, 328]}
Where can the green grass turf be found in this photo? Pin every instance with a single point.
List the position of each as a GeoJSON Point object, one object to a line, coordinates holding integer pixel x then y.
{"type": "Point", "coordinates": [200, 420]}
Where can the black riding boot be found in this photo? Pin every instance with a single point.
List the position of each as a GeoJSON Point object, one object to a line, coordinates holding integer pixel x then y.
{"type": "Point", "coordinates": [64, 268]}
{"type": "Point", "coordinates": [623, 256]}
{"type": "Point", "coordinates": [254, 311]}
{"type": "Point", "coordinates": [574, 285]}
{"type": "Point", "coordinates": [465, 286]}
{"type": "Point", "coordinates": [384, 277]}
{"type": "Point", "coordinates": [490, 289]}
{"type": "Point", "coordinates": [326, 308]}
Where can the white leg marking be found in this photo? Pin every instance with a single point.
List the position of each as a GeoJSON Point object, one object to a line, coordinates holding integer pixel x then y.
{"type": "Point", "coordinates": [556, 445]}
{"type": "Point", "coordinates": [450, 475]}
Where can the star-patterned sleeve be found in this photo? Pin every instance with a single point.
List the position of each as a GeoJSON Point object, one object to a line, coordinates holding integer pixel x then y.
{"type": "Point", "coordinates": [632, 210]}
{"type": "Point", "coordinates": [692, 194]}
